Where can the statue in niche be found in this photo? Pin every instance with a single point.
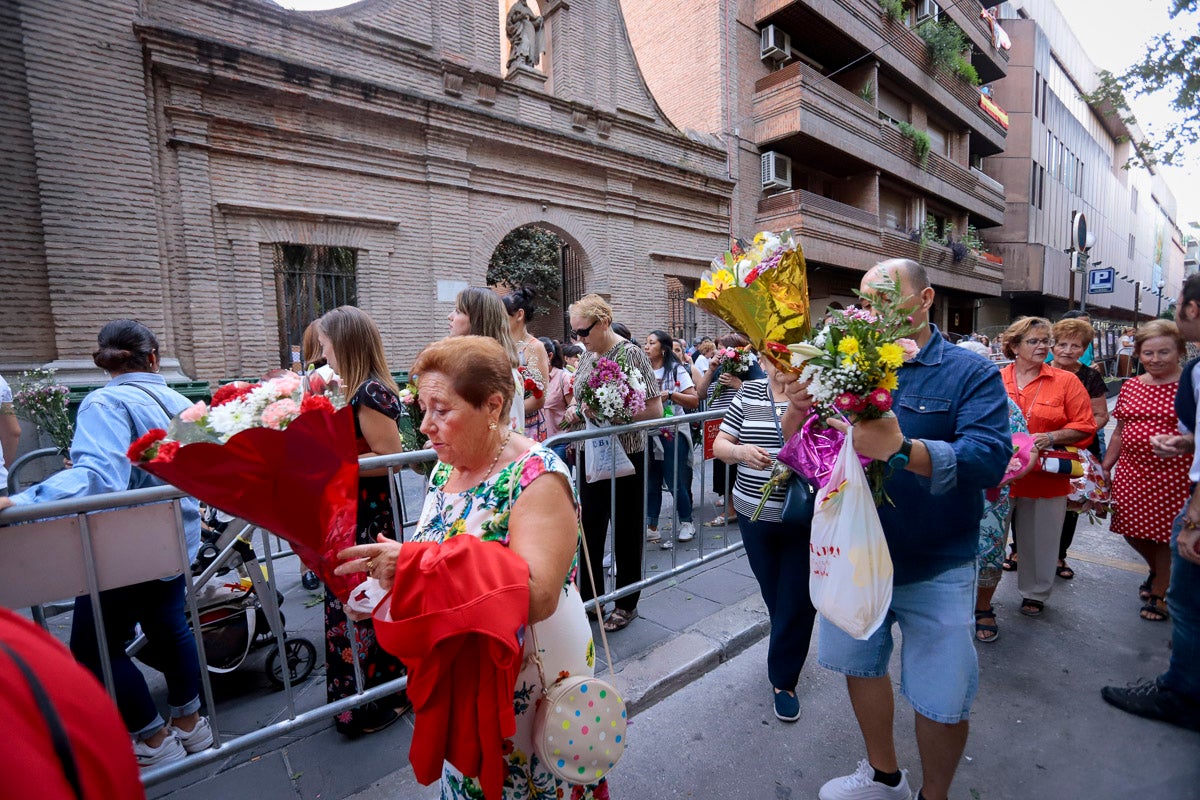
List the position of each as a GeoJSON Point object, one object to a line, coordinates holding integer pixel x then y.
{"type": "Point", "coordinates": [524, 29]}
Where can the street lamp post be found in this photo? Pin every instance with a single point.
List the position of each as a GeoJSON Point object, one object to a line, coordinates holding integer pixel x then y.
{"type": "Point", "coordinates": [1160, 286]}
{"type": "Point", "coordinates": [1137, 301]}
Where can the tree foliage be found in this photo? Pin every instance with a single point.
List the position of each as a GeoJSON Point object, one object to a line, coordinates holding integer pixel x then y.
{"type": "Point", "coordinates": [528, 257]}
{"type": "Point", "coordinates": [1170, 63]}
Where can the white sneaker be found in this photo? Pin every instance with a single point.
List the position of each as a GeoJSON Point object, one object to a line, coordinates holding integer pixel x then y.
{"type": "Point", "coordinates": [170, 750]}
{"type": "Point", "coordinates": [197, 739]}
{"type": "Point", "coordinates": [652, 534]}
{"type": "Point", "coordinates": [687, 532]}
{"type": "Point", "coordinates": [861, 785]}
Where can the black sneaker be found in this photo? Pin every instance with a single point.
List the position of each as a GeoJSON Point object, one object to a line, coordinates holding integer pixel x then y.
{"type": "Point", "coordinates": [1148, 699]}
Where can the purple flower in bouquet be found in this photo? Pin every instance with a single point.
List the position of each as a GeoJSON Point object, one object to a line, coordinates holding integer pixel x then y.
{"type": "Point", "coordinates": [614, 393]}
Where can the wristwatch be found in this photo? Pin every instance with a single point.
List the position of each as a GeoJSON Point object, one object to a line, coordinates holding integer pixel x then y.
{"type": "Point", "coordinates": [899, 459]}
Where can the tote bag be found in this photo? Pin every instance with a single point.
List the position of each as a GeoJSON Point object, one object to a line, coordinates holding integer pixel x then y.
{"type": "Point", "coordinates": [604, 456]}
{"type": "Point", "coordinates": [850, 568]}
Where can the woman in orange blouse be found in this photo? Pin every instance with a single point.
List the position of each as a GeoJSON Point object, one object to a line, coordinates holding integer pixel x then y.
{"type": "Point", "coordinates": [1059, 413]}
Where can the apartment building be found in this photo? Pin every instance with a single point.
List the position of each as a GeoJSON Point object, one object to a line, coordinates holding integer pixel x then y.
{"type": "Point", "coordinates": [840, 123]}
{"type": "Point", "coordinates": [1064, 155]}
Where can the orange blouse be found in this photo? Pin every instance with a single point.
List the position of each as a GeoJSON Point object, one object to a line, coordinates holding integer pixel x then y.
{"type": "Point", "coordinates": [1055, 400]}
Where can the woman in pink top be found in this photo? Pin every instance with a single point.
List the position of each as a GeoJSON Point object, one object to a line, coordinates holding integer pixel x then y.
{"type": "Point", "coordinates": [558, 388]}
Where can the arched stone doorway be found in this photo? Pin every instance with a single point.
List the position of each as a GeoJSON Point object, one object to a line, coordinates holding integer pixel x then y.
{"type": "Point", "coordinates": [547, 257]}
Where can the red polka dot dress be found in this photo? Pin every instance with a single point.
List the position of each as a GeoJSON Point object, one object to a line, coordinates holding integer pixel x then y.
{"type": "Point", "coordinates": [1148, 491]}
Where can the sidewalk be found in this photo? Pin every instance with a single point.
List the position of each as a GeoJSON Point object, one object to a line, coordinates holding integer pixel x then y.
{"type": "Point", "coordinates": [686, 627]}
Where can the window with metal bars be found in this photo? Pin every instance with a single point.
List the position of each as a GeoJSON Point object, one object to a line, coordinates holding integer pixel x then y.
{"type": "Point", "coordinates": [310, 280]}
{"type": "Point", "coordinates": [681, 315]}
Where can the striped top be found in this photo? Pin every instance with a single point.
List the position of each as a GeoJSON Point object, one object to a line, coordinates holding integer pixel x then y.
{"type": "Point", "coordinates": [748, 421]}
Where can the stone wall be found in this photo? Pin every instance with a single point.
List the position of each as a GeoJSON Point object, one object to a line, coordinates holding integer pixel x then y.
{"type": "Point", "coordinates": [203, 132]}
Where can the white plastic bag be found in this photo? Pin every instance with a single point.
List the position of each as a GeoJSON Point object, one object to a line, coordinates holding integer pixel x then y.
{"type": "Point", "coordinates": [604, 456]}
{"type": "Point", "coordinates": [850, 568]}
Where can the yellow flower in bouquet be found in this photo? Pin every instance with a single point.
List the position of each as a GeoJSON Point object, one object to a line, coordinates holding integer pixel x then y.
{"type": "Point", "coordinates": [761, 289]}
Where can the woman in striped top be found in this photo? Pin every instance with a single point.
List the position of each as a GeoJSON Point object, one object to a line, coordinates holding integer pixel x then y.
{"type": "Point", "coordinates": [778, 553]}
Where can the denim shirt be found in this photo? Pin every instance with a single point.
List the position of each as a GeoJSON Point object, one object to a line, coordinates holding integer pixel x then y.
{"type": "Point", "coordinates": [954, 402]}
{"type": "Point", "coordinates": [109, 420]}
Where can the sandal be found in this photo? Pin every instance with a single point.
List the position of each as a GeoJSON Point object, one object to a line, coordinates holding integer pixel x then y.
{"type": "Point", "coordinates": [1009, 564]}
{"type": "Point", "coordinates": [1155, 610]}
{"type": "Point", "coordinates": [619, 619]}
{"type": "Point", "coordinates": [1144, 589]}
{"type": "Point", "coordinates": [990, 632]}
{"type": "Point", "coordinates": [1064, 572]}
{"type": "Point", "coordinates": [1032, 608]}
{"type": "Point", "coordinates": [720, 521]}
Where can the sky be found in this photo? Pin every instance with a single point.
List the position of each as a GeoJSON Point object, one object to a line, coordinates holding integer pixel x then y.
{"type": "Point", "coordinates": [1113, 33]}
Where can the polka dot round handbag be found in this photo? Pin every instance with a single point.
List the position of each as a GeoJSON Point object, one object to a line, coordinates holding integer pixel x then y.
{"type": "Point", "coordinates": [579, 729]}
{"type": "Point", "coordinates": [579, 724]}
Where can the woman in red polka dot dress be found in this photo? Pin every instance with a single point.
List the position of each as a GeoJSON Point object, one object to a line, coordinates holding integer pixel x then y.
{"type": "Point", "coordinates": [1149, 491]}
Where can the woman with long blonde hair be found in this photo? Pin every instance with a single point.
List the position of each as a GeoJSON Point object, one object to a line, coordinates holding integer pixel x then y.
{"type": "Point", "coordinates": [481, 312]}
{"type": "Point", "coordinates": [352, 345]}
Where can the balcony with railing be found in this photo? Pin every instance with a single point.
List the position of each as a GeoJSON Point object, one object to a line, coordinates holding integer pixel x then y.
{"type": "Point", "coordinates": [897, 46]}
{"type": "Point", "coordinates": [797, 101]}
{"type": "Point", "coordinates": [837, 233]}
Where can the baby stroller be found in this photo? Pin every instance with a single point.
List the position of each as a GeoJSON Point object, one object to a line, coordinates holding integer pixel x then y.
{"type": "Point", "coordinates": [231, 590]}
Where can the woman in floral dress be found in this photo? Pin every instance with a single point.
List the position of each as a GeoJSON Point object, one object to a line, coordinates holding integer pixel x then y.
{"type": "Point", "coordinates": [478, 488]}
{"type": "Point", "coordinates": [354, 349]}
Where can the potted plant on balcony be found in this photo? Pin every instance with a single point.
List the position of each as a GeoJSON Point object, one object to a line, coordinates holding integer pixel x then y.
{"type": "Point", "coordinates": [948, 48]}
{"type": "Point", "coordinates": [892, 10]}
{"type": "Point", "coordinates": [920, 141]}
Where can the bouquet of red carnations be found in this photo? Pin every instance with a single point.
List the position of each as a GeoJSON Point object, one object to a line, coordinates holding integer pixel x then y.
{"type": "Point", "coordinates": [274, 455]}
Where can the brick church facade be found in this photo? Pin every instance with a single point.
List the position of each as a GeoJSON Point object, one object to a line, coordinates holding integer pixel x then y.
{"type": "Point", "coordinates": [220, 169]}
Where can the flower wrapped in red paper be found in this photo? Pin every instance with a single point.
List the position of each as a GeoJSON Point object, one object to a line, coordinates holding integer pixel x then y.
{"type": "Point", "coordinates": [273, 455]}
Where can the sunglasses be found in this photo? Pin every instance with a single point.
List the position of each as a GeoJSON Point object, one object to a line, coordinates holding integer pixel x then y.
{"type": "Point", "coordinates": [582, 333]}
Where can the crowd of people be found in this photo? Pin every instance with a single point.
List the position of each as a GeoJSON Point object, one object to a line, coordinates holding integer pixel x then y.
{"type": "Point", "coordinates": [492, 394]}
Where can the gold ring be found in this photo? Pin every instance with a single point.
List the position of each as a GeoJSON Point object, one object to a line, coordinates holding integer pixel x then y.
{"type": "Point", "coordinates": [370, 565]}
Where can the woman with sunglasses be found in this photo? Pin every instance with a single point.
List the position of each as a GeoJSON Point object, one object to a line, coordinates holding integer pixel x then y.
{"type": "Point", "coordinates": [591, 321]}
{"type": "Point", "coordinates": [1059, 413]}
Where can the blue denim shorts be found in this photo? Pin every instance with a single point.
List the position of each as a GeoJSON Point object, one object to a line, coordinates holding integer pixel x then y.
{"type": "Point", "coordinates": [939, 673]}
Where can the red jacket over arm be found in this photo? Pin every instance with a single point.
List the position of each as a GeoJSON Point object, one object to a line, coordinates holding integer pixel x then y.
{"type": "Point", "coordinates": [456, 616]}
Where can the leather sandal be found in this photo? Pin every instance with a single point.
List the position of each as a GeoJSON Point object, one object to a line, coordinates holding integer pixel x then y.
{"type": "Point", "coordinates": [1155, 610]}
{"type": "Point", "coordinates": [1144, 589]}
{"type": "Point", "coordinates": [1064, 572]}
{"type": "Point", "coordinates": [619, 619]}
{"type": "Point", "coordinates": [991, 632]}
{"type": "Point", "coordinates": [1032, 608]}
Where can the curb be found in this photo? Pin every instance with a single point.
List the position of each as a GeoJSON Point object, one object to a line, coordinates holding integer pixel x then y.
{"type": "Point", "coordinates": [648, 679]}
{"type": "Point", "coordinates": [699, 649]}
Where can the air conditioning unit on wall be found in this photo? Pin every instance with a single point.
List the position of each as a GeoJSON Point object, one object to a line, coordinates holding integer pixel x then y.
{"type": "Point", "coordinates": [776, 44]}
{"type": "Point", "coordinates": [776, 171]}
{"type": "Point", "coordinates": [927, 9]}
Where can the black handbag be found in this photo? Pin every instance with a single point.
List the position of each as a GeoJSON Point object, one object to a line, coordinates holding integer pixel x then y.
{"type": "Point", "coordinates": [799, 500]}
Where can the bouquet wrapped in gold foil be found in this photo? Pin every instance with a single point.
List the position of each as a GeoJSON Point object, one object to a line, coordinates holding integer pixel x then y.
{"type": "Point", "coordinates": [761, 289]}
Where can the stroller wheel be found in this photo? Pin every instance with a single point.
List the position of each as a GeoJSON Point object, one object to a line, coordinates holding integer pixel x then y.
{"type": "Point", "coordinates": [301, 658]}
{"type": "Point", "coordinates": [310, 581]}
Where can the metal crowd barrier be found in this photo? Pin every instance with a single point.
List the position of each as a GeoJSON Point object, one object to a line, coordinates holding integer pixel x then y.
{"type": "Point", "coordinates": [56, 551]}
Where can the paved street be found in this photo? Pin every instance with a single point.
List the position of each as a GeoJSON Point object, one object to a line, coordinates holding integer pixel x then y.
{"type": "Point", "coordinates": [1040, 727]}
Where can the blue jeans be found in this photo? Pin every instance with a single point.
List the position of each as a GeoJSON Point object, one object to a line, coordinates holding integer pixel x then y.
{"type": "Point", "coordinates": [1183, 601]}
{"type": "Point", "coordinates": [676, 465]}
{"type": "Point", "coordinates": [778, 556]}
{"type": "Point", "coordinates": [939, 673]}
{"type": "Point", "coordinates": [170, 649]}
